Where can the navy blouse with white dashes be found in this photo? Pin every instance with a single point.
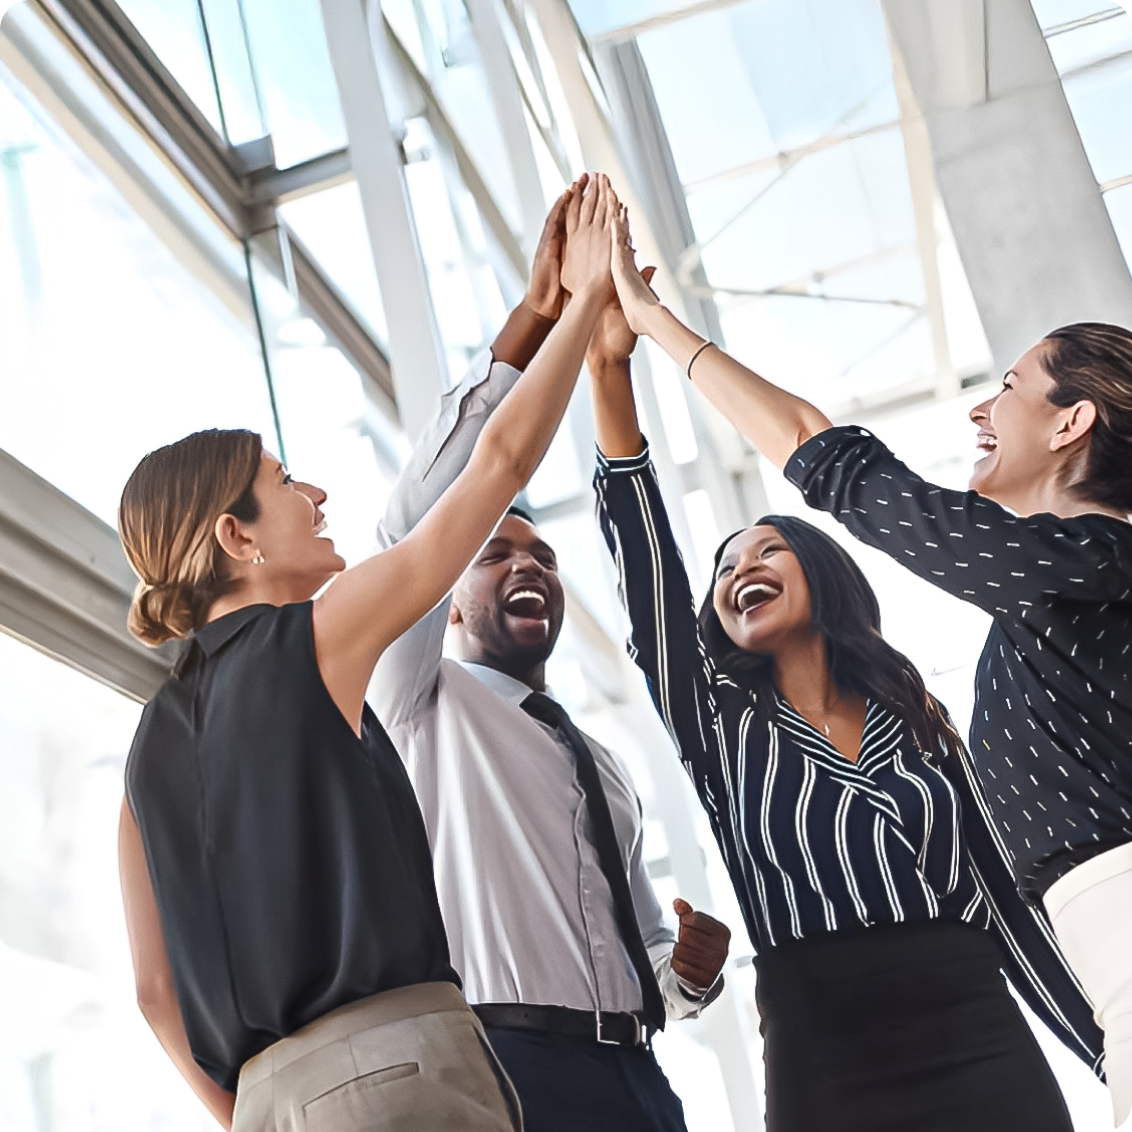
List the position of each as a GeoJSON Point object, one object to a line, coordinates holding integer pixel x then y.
{"type": "Point", "coordinates": [1052, 728]}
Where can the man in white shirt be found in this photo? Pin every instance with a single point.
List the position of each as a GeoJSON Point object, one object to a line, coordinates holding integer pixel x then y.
{"type": "Point", "coordinates": [535, 828]}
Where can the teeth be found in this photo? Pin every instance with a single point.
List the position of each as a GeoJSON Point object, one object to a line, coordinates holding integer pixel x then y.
{"type": "Point", "coordinates": [526, 595]}
{"type": "Point", "coordinates": [754, 594]}
{"type": "Point", "coordinates": [321, 527]}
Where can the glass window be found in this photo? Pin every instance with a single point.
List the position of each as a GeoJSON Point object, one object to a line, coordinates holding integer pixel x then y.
{"type": "Point", "coordinates": [1101, 101]}
{"type": "Point", "coordinates": [173, 30]}
{"type": "Point", "coordinates": [332, 226]}
{"type": "Point", "coordinates": [75, 1052]}
{"type": "Point", "coordinates": [110, 345]}
{"type": "Point", "coordinates": [295, 78]}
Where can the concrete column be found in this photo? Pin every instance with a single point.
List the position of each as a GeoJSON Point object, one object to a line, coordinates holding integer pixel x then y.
{"type": "Point", "coordinates": [419, 369]}
{"type": "Point", "coordinates": [1029, 222]}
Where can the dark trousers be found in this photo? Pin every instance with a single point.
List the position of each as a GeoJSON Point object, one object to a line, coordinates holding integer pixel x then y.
{"type": "Point", "coordinates": [577, 1085]}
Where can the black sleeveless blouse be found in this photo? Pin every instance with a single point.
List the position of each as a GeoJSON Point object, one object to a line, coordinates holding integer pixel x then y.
{"type": "Point", "coordinates": [289, 857]}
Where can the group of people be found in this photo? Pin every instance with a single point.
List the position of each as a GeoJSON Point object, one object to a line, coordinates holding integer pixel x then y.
{"type": "Point", "coordinates": [317, 886]}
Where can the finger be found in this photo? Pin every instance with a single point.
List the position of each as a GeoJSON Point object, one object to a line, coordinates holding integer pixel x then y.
{"type": "Point", "coordinates": [557, 215]}
{"type": "Point", "coordinates": [700, 977]}
{"type": "Point", "coordinates": [605, 207]}
{"type": "Point", "coordinates": [681, 907]}
{"type": "Point", "coordinates": [590, 201]}
{"type": "Point", "coordinates": [574, 206]}
{"type": "Point", "coordinates": [704, 927]}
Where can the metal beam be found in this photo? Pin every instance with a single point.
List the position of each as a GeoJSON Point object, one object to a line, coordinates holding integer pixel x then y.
{"type": "Point", "coordinates": [276, 186]}
{"type": "Point", "coordinates": [921, 181]}
{"type": "Point", "coordinates": [1030, 225]}
{"type": "Point", "coordinates": [65, 586]}
{"type": "Point", "coordinates": [110, 45]}
{"type": "Point", "coordinates": [100, 37]}
{"type": "Point", "coordinates": [506, 94]}
{"type": "Point", "coordinates": [419, 367]}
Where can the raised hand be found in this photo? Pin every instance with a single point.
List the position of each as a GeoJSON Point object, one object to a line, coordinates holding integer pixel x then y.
{"type": "Point", "coordinates": [613, 339]}
{"type": "Point", "coordinates": [637, 298]}
{"type": "Point", "coordinates": [701, 949]}
{"type": "Point", "coordinates": [589, 220]}
{"type": "Point", "coordinates": [545, 294]}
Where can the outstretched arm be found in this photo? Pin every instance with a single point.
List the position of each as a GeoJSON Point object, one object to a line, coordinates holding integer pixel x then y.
{"type": "Point", "coordinates": [406, 675]}
{"type": "Point", "coordinates": [371, 605]}
{"type": "Point", "coordinates": [531, 321]}
{"type": "Point", "coordinates": [774, 421]}
{"type": "Point", "coordinates": [157, 996]}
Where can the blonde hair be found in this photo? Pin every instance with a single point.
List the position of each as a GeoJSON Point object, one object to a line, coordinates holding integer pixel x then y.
{"type": "Point", "coordinates": [166, 522]}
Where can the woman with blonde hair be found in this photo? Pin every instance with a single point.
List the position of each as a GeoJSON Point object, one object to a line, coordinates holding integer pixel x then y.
{"type": "Point", "coordinates": [287, 939]}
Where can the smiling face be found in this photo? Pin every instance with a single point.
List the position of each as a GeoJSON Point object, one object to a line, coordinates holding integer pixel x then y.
{"type": "Point", "coordinates": [1019, 434]}
{"type": "Point", "coordinates": [760, 592]}
{"type": "Point", "coordinates": [297, 558]}
{"type": "Point", "coordinates": [508, 604]}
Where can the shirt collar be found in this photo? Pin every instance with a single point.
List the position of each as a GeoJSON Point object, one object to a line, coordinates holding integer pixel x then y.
{"type": "Point", "coordinates": [216, 634]}
{"type": "Point", "coordinates": [504, 686]}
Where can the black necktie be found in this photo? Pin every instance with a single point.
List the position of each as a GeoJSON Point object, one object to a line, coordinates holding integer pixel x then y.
{"type": "Point", "coordinates": [544, 709]}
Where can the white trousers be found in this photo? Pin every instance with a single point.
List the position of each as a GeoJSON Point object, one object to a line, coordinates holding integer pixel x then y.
{"type": "Point", "coordinates": [1091, 912]}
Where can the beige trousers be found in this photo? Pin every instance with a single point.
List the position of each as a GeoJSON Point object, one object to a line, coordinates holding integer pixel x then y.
{"type": "Point", "coordinates": [413, 1059]}
{"type": "Point", "coordinates": [1091, 912]}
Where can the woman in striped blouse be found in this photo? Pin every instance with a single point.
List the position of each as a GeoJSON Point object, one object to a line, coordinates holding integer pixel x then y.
{"type": "Point", "coordinates": [1041, 542]}
{"type": "Point", "coordinates": [872, 883]}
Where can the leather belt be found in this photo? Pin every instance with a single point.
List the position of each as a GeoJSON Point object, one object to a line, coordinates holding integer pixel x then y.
{"type": "Point", "coordinates": [604, 1026]}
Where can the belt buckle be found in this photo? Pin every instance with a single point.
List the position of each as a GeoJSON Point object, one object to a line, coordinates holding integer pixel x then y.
{"type": "Point", "coordinates": [600, 1040]}
{"type": "Point", "coordinates": [637, 1034]}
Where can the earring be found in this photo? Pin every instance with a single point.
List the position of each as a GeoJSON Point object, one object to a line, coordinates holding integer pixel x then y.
{"type": "Point", "coordinates": [259, 559]}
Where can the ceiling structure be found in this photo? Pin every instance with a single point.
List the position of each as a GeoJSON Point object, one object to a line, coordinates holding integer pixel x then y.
{"type": "Point", "coordinates": [336, 202]}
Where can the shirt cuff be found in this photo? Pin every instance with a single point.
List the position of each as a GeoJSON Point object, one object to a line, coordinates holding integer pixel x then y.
{"type": "Point", "coordinates": [616, 465]}
{"type": "Point", "coordinates": [696, 994]}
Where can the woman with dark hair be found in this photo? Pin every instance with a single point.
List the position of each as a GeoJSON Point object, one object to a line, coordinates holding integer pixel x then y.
{"type": "Point", "coordinates": [871, 881]}
{"type": "Point", "coordinates": [287, 939]}
{"type": "Point", "coordinates": [1042, 543]}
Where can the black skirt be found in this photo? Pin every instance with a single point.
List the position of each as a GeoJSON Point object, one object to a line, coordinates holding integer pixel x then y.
{"type": "Point", "coordinates": [900, 1028]}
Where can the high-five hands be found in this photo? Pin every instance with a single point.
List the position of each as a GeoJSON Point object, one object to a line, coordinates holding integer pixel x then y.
{"type": "Point", "coordinates": [590, 213]}
{"type": "Point", "coordinates": [613, 341]}
{"type": "Point", "coordinates": [701, 949]}
{"type": "Point", "coordinates": [545, 294]}
{"type": "Point", "coordinates": [637, 298]}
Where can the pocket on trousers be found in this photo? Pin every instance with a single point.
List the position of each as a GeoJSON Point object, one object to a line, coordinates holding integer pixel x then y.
{"type": "Point", "coordinates": [364, 1103]}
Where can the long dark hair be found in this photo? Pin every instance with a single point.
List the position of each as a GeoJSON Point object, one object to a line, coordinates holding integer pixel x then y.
{"type": "Point", "coordinates": [847, 614]}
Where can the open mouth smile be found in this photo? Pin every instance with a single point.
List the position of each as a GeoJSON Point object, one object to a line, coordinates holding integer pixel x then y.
{"type": "Point", "coordinates": [528, 604]}
{"type": "Point", "coordinates": [755, 595]}
{"type": "Point", "coordinates": [986, 441]}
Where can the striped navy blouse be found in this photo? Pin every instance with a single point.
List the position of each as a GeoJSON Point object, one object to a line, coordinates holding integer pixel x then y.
{"type": "Point", "coordinates": [813, 842]}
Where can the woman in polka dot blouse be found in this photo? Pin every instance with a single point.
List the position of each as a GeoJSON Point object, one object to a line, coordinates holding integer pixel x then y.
{"type": "Point", "coordinates": [1042, 542]}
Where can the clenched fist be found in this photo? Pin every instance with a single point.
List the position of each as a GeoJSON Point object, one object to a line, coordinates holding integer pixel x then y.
{"type": "Point", "coordinates": [701, 949]}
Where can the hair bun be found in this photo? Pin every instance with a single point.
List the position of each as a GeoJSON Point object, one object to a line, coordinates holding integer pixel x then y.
{"type": "Point", "coordinates": [161, 612]}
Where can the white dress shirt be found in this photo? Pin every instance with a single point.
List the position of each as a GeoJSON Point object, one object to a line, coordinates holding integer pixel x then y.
{"type": "Point", "coordinates": [529, 912]}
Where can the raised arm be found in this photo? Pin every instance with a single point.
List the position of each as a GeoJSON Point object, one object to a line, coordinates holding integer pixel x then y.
{"type": "Point", "coordinates": [157, 996]}
{"type": "Point", "coordinates": [407, 672]}
{"type": "Point", "coordinates": [665, 641]}
{"type": "Point", "coordinates": [369, 606]}
{"type": "Point", "coordinates": [774, 421]}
